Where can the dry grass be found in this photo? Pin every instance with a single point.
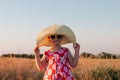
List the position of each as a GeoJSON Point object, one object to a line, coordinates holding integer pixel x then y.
{"type": "Point", "coordinates": [86, 66]}
{"type": "Point", "coordinates": [18, 69]}
{"type": "Point", "coordinates": [25, 69]}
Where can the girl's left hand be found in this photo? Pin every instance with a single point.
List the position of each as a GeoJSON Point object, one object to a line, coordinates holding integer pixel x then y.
{"type": "Point", "coordinates": [76, 46]}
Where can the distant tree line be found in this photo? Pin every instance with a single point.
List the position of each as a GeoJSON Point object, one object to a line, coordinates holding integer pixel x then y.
{"type": "Point", "coordinates": [20, 55]}
{"type": "Point", "coordinates": [102, 55]}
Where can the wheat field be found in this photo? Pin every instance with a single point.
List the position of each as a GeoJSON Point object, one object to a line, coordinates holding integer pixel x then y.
{"type": "Point", "coordinates": [25, 69]}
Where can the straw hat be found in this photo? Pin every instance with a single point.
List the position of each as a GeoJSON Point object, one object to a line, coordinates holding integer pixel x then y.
{"type": "Point", "coordinates": [69, 36]}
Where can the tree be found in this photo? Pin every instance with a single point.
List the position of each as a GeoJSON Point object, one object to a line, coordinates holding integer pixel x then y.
{"type": "Point", "coordinates": [87, 55]}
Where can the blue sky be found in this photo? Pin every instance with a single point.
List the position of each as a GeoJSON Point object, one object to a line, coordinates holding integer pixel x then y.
{"type": "Point", "coordinates": [96, 23]}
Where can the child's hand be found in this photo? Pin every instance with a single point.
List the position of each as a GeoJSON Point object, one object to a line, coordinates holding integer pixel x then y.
{"type": "Point", "coordinates": [36, 50]}
{"type": "Point", "coordinates": [76, 46]}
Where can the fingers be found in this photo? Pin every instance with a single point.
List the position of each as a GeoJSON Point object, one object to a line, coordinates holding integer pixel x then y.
{"type": "Point", "coordinates": [36, 50]}
{"type": "Point", "coordinates": [76, 45]}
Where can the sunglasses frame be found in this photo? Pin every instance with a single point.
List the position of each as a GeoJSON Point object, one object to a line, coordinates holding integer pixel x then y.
{"type": "Point", "coordinates": [58, 36]}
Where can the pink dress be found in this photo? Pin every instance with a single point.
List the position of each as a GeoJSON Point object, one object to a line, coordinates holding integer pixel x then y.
{"type": "Point", "coordinates": [58, 66]}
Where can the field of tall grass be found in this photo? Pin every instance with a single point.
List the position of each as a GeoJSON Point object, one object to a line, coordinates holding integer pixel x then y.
{"type": "Point", "coordinates": [87, 69]}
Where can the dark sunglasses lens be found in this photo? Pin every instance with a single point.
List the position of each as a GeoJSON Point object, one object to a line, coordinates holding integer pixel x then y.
{"type": "Point", "coordinates": [52, 36]}
{"type": "Point", "coordinates": [59, 36]}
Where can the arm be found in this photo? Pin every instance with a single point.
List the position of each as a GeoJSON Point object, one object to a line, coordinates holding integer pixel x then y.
{"type": "Point", "coordinates": [73, 60]}
{"type": "Point", "coordinates": [41, 63]}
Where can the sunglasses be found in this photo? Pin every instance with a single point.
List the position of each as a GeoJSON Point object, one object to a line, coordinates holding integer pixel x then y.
{"type": "Point", "coordinates": [56, 36]}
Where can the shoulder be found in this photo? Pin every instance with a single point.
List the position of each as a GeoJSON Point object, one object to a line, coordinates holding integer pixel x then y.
{"type": "Point", "coordinates": [46, 52]}
{"type": "Point", "coordinates": [46, 55]}
{"type": "Point", "coordinates": [65, 48]}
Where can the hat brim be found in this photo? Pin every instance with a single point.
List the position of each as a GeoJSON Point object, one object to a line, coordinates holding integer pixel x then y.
{"type": "Point", "coordinates": [69, 36]}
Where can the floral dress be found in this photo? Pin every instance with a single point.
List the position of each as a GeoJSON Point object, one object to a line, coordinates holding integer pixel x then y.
{"type": "Point", "coordinates": [58, 65]}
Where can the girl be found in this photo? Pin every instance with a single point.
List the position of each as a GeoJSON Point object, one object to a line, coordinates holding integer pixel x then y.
{"type": "Point", "coordinates": [57, 59]}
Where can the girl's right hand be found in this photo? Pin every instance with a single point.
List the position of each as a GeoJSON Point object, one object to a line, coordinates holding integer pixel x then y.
{"type": "Point", "coordinates": [36, 50]}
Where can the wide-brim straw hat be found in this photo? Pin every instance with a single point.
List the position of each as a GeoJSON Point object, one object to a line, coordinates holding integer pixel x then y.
{"type": "Point", "coordinates": [69, 36]}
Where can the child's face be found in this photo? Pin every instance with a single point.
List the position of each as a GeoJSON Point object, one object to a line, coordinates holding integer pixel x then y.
{"type": "Point", "coordinates": [56, 39]}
